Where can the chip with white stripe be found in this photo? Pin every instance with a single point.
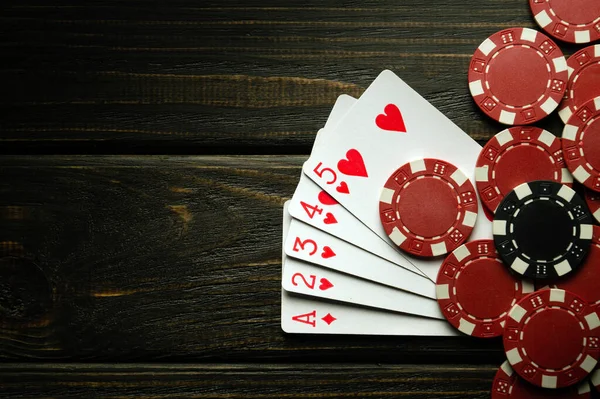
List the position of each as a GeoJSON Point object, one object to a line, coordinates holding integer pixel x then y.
{"type": "Point", "coordinates": [555, 343]}
{"type": "Point", "coordinates": [518, 76]}
{"type": "Point", "coordinates": [475, 291]}
{"type": "Point", "coordinates": [583, 85]}
{"type": "Point", "coordinates": [592, 199]}
{"type": "Point", "coordinates": [568, 20]}
{"type": "Point", "coordinates": [428, 207]}
{"type": "Point", "coordinates": [518, 155]}
{"type": "Point", "coordinates": [585, 282]}
{"type": "Point", "coordinates": [542, 229]}
{"type": "Point", "coordinates": [508, 385]}
{"type": "Point", "coordinates": [581, 144]}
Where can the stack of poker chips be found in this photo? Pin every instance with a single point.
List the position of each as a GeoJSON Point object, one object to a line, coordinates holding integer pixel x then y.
{"type": "Point", "coordinates": [536, 283]}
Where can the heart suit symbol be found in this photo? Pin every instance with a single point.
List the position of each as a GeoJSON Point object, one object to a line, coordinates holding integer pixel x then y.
{"type": "Point", "coordinates": [329, 218]}
{"type": "Point", "coordinates": [391, 119]}
{"type": "Point", "coordinates": [327, 252]}
{"type": "Point", "coordinates": [353, 165]}
{"type": "Point", "coordinates": [325, 284]}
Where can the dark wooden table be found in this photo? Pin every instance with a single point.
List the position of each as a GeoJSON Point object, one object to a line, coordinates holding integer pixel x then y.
{"type": "Point", "coordinates": [147, 149]}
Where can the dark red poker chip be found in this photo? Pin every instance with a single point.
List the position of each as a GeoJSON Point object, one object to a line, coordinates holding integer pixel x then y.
{"type": "Point", "coordinates": [475, 290]}
{"type": "Point", "coordinates": [518, 76]}
{"type": "Point", "coordinates": [584, 80]}
{"type": "Point", "coordinates": [592, 199]}
{"type": "Point", "coordinates": [581, 144]}
{"type": "Point", "coordinates": [585, 281]}
{"type": "Point", "coordinates": [508, 385]}
{"type": "Point", "coordinates": [572, 21]}
{"type": "Point", "coordinates": [428, 207]}
{"type": "Point", "coordinates": [552, 338]}
{"type": "Point", "coordinates": [518, 155]}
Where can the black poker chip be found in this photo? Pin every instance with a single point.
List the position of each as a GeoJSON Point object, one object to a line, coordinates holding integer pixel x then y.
{"type": "Point", "coordinates": [542, 230]}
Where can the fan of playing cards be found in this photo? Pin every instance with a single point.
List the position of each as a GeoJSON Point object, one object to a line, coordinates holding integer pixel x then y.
{"type": "Point", "coordinates": [335, 244]}
{"type": "Point", "coordinates": [401, 224]}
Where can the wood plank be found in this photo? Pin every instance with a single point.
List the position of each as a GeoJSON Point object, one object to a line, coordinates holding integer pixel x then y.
{"type": "Point", "coordinates": [148, 257]}
{"type": "Point", "coordinates": [139, 78]}
{"type": "Point", "coordinates": [242, 381]}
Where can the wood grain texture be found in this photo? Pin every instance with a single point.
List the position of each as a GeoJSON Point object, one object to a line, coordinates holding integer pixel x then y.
{"type": "Point", "coordinates": [177, 258]}
{"type": "Point", "coordinates": [243, 381]}
{"type": "Point", "coordinates": [146, 258]}
{"type": "Point", "coordinates": [227, 76]}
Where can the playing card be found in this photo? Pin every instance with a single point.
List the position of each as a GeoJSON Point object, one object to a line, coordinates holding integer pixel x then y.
{"type": "Point", "coordinates": [299, 314]}
{"type": "Point", "coordinates": [342, 105]}
{"type": "Point", "coordinates": [308, 316]}
{"type": "Point", "coordinates": [340, 108]}
{"type": "Point", "coordinates": [309, 244]}
{"type": "Point", "coordinates": [307, 279]}
{"type": "Point", "coordinates": [314, 206]}
{"type": "Point", "coordinates": [390, 125]}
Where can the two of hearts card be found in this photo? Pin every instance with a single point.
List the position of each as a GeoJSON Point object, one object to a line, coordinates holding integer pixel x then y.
{"type": "Point", "coordinates": [384, 197]}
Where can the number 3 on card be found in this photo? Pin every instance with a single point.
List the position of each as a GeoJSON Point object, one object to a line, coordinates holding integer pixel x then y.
{"type": "Point", "coordinates": [312, 247]}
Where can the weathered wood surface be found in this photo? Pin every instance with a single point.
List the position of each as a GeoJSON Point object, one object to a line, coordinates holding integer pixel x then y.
{"type": "Point", "coordinates": [154, 258]}
{"type": "Point", "coordinates": [163, 259]}
{"type": "Point", "coordinates": [243, 381]}
{"type": "Point", "coordinates": [228, 76]}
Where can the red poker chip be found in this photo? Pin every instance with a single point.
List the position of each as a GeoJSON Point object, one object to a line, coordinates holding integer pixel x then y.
{"type": "Point", "coordinates": [581, 144]}
{"type": "Point", "coordinates": [585, 281]}
{"type": "Point", "coordinates": [518, 155]}
{"type": "Point", "coordinates": [507, 384]}
{"type": "Point", "coordinates": [428, 207]}
{"type": "Point", "coordinates": [552, 338]}
{"type": "Point", "coordinates": [518, 76]}
{"type": "Point", "coordinates": [475, 290]}
{"type": "Point", "coordinates": [584, 80]}
{"type": "Point", "coordinates": [592, 199]}
{"type": "Point", "coordinates": [568, 20]}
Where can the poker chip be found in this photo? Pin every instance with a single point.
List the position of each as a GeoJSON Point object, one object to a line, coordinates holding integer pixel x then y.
{"type": "Point", "coordinates": [542, 229]}
{"type": "Point", "coordinates": [585, 282]}
{"type": "Point", "coordinates": [508, 385]}
{"type": "Point", "coordinates": [592, 199]}
{"type": "Point", "coordinates": [581, 144]}
{"type": "Point", "coordinates": [518, 76]}
{"type": "Point", "coordinates": [518, 155]}
{"type": "Point", "coordinates": [428, 207]}
{"type": "Point", "coordinates": [573, 21]}
{"type": "Point", "coordinates": [552, 338]}
{"type": "Point", "coordinates": [584, 80]}
{"type": "Point", "coordinates": [475, 291]}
